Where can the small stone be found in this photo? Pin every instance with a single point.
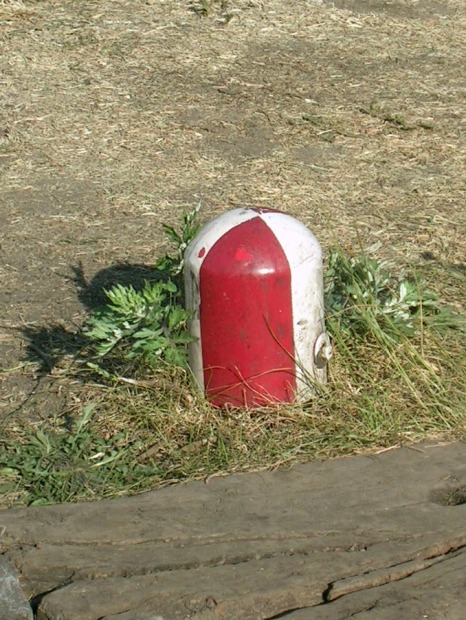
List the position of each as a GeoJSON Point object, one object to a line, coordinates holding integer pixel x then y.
{"type": "Point", "coordinates": [13, 603]}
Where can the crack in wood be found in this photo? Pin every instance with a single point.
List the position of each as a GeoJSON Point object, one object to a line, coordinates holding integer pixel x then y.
{"type": "Point", "coordinates": [382, 576]}
{"type": "Point", "coordinates": [373, 579]}
{"type": "Point", "coordinates": [284, 614]}
{"type": "Point", "coordinates": [230, 560]}
{"type": "Point", "coordinates": [184, 541]}
{"type": "Point", "coordinates": [38, 598]}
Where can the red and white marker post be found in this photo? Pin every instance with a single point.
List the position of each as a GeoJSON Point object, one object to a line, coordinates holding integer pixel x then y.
{"type": "Point", "coordinates": [253, 278]}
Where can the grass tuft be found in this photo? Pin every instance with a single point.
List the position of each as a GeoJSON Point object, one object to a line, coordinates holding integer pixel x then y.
{"type": "Point", "coordinates": [144, 433]}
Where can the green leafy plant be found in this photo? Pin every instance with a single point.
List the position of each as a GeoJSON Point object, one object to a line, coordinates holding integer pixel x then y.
{"type": "Point", "coordinates": [172, 264]}
{"type": "Point", "coordinates": [147, 326]}
{"type": "Point", "coordinates": [67, 463]}
{"type": "Point", "coordinates": [360, 297]}
{"type": "Point", "coordinates": [385, 387]}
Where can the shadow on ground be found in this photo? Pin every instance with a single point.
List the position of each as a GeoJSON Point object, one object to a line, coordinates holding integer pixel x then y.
{"type": "Point", "coordinates": [49, 344]}
{"type": "Point", "coordinates": [91, 293]}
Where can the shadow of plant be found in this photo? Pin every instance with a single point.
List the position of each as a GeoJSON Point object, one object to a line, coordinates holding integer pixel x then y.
{"type": "Point", "coordinates": [150, 291]}
{"type": "Point", "coordinates": [48, 345]}
{"type": "Point", "coordinates": [91, 293]}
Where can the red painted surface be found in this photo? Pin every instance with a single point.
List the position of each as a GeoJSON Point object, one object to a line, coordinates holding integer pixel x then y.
{"type": "Point", "coordinates": [246, 319]}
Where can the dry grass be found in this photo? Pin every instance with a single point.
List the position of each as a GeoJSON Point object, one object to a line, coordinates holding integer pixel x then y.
{"type": "Point", "coordinates": [158, 107]}
{"type": "Point", "coordinates": [116, 115]}
{"type": "Point", "coordinates": [156, 430]}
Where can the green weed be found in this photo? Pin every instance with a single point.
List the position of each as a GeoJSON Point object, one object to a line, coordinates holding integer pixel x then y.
{"type": "Point", "coordinates": [361, 297]}
{"type": "Point", "coordinates": [70, 463]}
{"type": "Point", "coordinates": [172, 264]}
{"type": "Point", "coordinates": [147, 326]}
{"type": "Point", "coordinates": [395, 378]}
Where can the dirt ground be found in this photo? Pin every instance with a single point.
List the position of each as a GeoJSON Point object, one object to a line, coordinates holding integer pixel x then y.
{"type": "Point", "coordinates": [116, 115]}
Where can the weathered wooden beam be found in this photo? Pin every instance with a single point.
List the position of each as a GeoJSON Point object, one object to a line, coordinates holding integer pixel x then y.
{"type": "Point", "coordinates": [253, 546]}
